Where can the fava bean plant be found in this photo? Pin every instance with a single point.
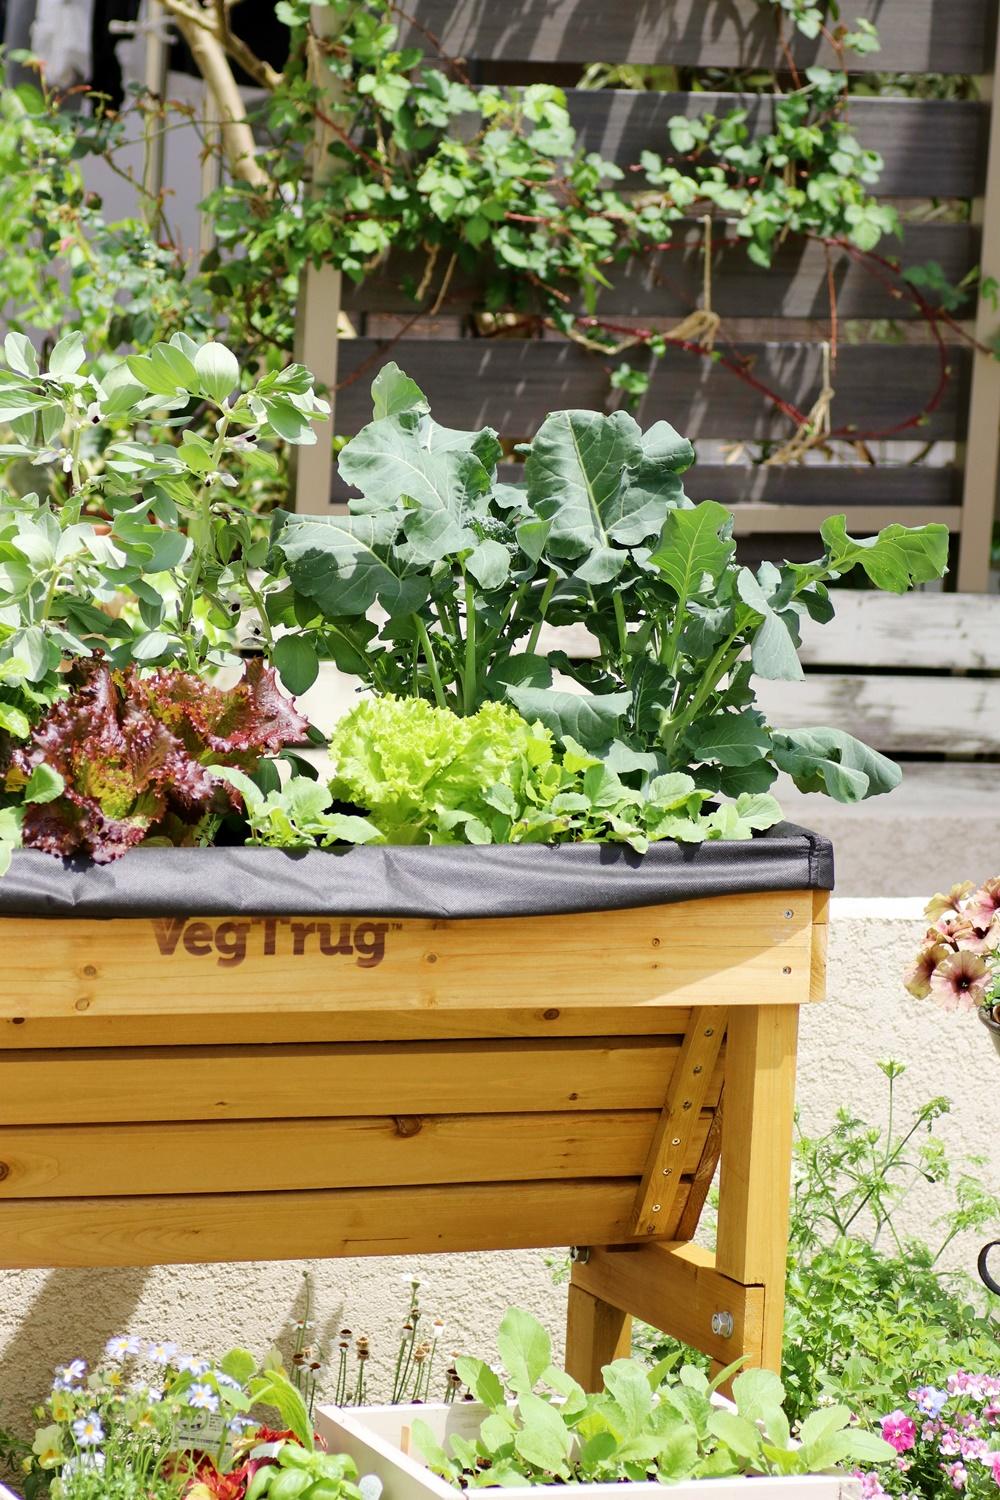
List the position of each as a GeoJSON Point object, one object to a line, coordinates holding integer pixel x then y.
{"type": "Point", "coordinates": [137, 578]}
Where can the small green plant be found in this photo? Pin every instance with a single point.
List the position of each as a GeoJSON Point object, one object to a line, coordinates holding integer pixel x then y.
{"type": "Point", "coordinates": [542, 1428]}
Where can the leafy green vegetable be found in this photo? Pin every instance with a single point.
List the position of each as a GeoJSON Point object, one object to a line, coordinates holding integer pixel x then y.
{"type": "Point", "coordinates": [660, 1424]}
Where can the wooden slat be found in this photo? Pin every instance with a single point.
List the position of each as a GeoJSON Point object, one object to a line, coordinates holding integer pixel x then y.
{"type": "Point", "coordinates": [820, 943]}
{"type": "Point", "coordinates": [676, 1288]}
{"type": "Point", "coordinates": [668, 284]}
{"type": "Point", "coordinates": [895, 714]}
{"type": "Point", "coordinates": [794, 521]}
{"type": "Point", "coordinates": [931, 148]}
{"type": "Point", "coordinates": [205, 1083]}
{"type": "Point", "coordinates": [311, 1225]}
{"type": "Point", "coordinates": [174, 966]}
{"type": "Point", "coordinates": [512, 384]}
{"type": "Point", "coordinates": [678, 1124]}
{"type": "Point", "coordinates": [81, 1161]}
{"type": "Point", "coordinates": [919, 36]}
{"type": "Point", "coordinates": [88, 1030]}
{"type": "Point", "coordinates": [921, 630]}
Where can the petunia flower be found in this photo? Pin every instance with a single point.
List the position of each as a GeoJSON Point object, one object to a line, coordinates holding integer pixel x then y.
{"type": "Point", "coordinates": [960, 982]}
{"type": "Point", "coordinates": [939, 904]}
{"type": "Point", "coordinates": [918, 977]}
{"type": "Point", "coordinates": [983, 905]}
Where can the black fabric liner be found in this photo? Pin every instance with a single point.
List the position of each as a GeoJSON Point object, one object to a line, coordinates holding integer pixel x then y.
{"type": "Point", "coordinates": [445, 880]}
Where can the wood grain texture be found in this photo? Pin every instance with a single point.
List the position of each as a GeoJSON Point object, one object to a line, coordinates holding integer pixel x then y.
{"type": "Point", "coordinates": [757, 1159]}
{"type": "Point", "coordinates": [596, 1335]}
{"type": "Point", "coordinates": [416, 1078]}
{"type": "Point", "coordinates": [921, 631]}
{"type": "Point", "coordinates": [921, 36]}
{"type": "Point", "coordinates": [81, 1161]}
{"type": "Point", "coordinates": [949, 714]}
{"type": "Point", "coordinates": [511, 385]}
{"type": "Point", "coordinates": [668, 284]}
{"type": "Point", "coordinates": [664, 955]}
{"type": "Point", "coordinates": [311, 1225]}
{"type": "Point", "coordinates": [84, 1029]}
{"type": "Point", "coordinates": [679, 1122]}
{"type": "Point", "coordinates": [703, 1176]}
{"type": "Point", "coordinates": [677, 1289]}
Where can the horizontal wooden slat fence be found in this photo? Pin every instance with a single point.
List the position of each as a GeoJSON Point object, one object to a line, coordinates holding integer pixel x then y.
{"type": "Point", "coordinates": [931, 148]}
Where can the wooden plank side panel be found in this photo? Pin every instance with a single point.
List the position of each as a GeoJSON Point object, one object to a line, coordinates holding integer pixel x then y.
{"type": "Point", "coordinates": [211, 1227]}
{"type": "Point", "coordinates": [668, 284]}
{"type": "Point", "coordinates": [175, 966]}
{"type": "Point", "coordinates": [929, 147]}
{"type": "Point", "coordinates": [84, 1029]}
{"type": "Point", "coordinates": [923, 631]}
{"type": "Point", "coordinates": [921, 36]}
{"type": "Point", "coordinates": [82, 1161]}
{"type": "Point", "coordinates": [249, 1083]}
{"type": "Point", "coordinates": [512, 384]}
{"type": "Point", "coordinates": [958, 715]}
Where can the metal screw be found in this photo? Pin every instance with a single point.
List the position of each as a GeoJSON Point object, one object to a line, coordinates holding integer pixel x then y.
{"type": "Point", "coordinates": [722, 1324]}
{"type": "Point", "coordinates": [698, 1068]}
{"type": "Point", "coordinates": [710, 1031]}
{"type": "Point", "coordinates": [686, 1104]}
{"type": "Point", "coordinates": [667, 1171]}
{"type": "Point", "coordinates": [786, 969]}
{"type": "Point", "coordinates": [676, 1141]}
{"type": "Point", "coordinates": [580, 1254]}
{"type": "Point", "coordinates": [656, 1208]}
{"type": "Point", "coordinates": [789, 912]}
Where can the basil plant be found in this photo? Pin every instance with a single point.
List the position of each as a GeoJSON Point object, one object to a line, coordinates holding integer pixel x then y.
{"type": "Point", "coordinates": [439, 579]}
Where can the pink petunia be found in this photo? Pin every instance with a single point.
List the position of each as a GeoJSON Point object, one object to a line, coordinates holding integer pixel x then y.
{"type": "Point", "coordinates": [983, 905]}
{"type": "Point", "coordinates": [960, 982]}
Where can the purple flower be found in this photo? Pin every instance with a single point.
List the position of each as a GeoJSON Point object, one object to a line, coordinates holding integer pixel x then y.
{"type": "Point", "coordinates": [929, 1400]}
{"type": "Point", "coordinates": [88, 1430]}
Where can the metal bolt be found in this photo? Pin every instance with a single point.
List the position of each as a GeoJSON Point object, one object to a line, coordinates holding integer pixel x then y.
{"type": "Point", "coordinates": [722, 1324]}
{"type": "Point", "coordinates": [580, 1254]}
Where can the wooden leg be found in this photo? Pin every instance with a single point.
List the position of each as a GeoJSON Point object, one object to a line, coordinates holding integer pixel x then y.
{"type": "Point", "coordinates": [757, 1158]}
{"type": "Point", "coordinates": [596, 1334]}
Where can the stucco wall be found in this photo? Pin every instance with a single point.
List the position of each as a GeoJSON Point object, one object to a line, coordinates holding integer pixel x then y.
{"type": "Point", "coordinates": [50, 1317]}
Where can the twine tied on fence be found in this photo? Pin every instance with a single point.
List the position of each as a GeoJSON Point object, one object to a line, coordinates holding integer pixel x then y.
{"type": "Point", "coordinates": [815, 429]}
{"type": "Point", "coordinates": [702, 325]}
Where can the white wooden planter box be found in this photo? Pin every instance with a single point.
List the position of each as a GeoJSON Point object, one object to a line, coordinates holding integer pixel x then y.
{"type": "Point", "coordinates": [6, 1494]}
{"type": "Point", "coordinates": [375, 1437]}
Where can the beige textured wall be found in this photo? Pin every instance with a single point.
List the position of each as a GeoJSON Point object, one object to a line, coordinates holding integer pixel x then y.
{"type": "Point", "coordinates": [50, 1317]}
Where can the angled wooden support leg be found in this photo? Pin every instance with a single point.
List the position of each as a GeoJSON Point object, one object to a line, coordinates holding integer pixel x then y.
{"type": "Point", "coordinates": [757, 1158]}
{"type": "Point", "coordinates": [596, 1333]}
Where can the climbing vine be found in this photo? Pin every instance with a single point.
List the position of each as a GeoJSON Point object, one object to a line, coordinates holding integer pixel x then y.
{"type": "Point", "coordinates": [489, 188]}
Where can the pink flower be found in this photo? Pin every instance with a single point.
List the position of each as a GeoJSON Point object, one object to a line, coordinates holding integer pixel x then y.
{"type": "Point", "coordinates": [960, 982]}
{"type": "Point", "coordinates": [939, 904]}
{"type": "Point", "coordinates": [982, 905]}
{"type": "Point", "coordinates": [871, 1485]}
{"type": "Point", "coordinates": [992, 1461]}
{"type": "Point", "coordinates": [957, 1473]}
{"type": "Point", "coordinates": [899, 1430]}
{"type": "Point", "coordinates": [949, 1443]}
{"type": "Point", "coordinates": [917, 978]}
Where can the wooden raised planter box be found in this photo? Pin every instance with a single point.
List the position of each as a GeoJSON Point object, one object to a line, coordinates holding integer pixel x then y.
{"type": "Point", "coordinates": [379, 1439]}
{"type": "Point", "coordinates": [212, 1078]}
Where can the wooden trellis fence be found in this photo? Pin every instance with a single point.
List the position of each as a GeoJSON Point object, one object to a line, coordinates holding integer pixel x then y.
{"type": "Point", "coordinates": [932, 149]}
